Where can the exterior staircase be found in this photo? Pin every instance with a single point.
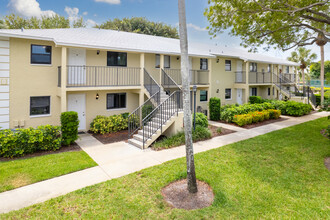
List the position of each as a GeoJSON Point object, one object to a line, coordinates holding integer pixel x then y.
{"type": "Point", "coordinates": [159, 112]}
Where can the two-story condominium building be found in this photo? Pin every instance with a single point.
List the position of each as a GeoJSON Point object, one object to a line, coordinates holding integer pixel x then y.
{"type": "Point", "coordinates": [105, 72]}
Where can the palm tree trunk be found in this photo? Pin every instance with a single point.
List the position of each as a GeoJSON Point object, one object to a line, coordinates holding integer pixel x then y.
{"type": "Point", "coordinates": [191, 175]}
{"type": "Point", "coordinates": [322, 75]}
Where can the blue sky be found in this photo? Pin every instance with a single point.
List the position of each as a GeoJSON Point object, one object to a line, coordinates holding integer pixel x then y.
{"type": "Point", "coordinates": [97, 11]}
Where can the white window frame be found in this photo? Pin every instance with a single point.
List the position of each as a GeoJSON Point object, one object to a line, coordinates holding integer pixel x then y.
{"type": "Point", "coordinates": [41, 115]}
{"type": "Point", "coordinates": [231, 95]}
{"type": "Point", "coordinates": [169, 61]}
{"type": "Point", "coordinates": [115, 109]}
{"type": "Point", "coordinates": [157, 61]}
{"type": "Point", "coordinates": [226, 65]}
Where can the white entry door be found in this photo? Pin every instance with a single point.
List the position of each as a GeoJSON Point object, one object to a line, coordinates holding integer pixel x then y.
{"type": "Point", "coordinates": [77, 66]}
{"type": "Point", "coordinates": [239, 99]}
{"type": "Point", "coordinates": [77, 103]}
{"type": "Point", "coordinates": [239, 71]}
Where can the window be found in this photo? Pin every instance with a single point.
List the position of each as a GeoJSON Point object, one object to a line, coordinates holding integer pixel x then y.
{"type": "Point", "coordinates": [254, 92]}
{"type": "Point", "coordinates": [253, 67]}
{"type": "Point", "coordinates": [39, 105]}
{"type": "Point", "coordinates": [203, 96]}
{"type": "Point", "coordinates": [228, 65]}
{"type": "Point", "coordinates": [116, 100]}
{"type": "Point", "coordinates": [41, 54]}
{"type": "Point", "coordinates": [116, 59]}
{"type": "Point", "coordinates": [203, 64]}
{"type": "Point", "coordinates": [287, 69]}
{"type": "Point", "coordinates": [227, 94]}
{"type": "Point", "coordinates": [268, 91]}
{"type": "Point", "coordinates": [167, 61]}
{"type": "Point", "coordinates": [269, 68]}
{"type": "Point", "coordinates": [157, 58]}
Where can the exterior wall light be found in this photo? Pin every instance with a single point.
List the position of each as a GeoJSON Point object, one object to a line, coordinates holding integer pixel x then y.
{"type": "Point", "coordinates": [218, 60]}
{"type": "Point", "coordinates": [97, 96]}
{"type": "Point", "coordinates": [177, 58]}
{"type": "Point", "coordinates": [97, 52]}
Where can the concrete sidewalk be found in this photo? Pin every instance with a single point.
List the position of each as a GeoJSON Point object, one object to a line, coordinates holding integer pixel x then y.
{"type": "Point", "coordinates": [119, 159]}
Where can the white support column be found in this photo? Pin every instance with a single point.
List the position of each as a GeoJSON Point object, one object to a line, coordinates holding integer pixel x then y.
{"type": "Point", "coordinates": [272, 80]}
{"type": "Point", "coordinates": [247, 91]}
{"type": "Point", "coordinates": [142, 66]}
{"type": "Point", "coordinates": [161, 67]}
{"type": "Point", "coordinates": [64, 79]}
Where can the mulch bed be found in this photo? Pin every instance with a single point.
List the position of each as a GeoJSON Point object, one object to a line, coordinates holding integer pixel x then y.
{"type": "Point", "coordinates": [256, 124]}
{"type": "Point", "coordinates": [327, 163]}
{"type": "Point", "coordinates": [224, 131]}
{"type": "Point", "coordinates": [177, 196]}
{"type": "Point", "coordinates": [112, 137]}
{"type": "Point", "coordinates": [70, 148]}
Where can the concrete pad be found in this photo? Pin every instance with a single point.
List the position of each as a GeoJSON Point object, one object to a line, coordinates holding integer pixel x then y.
{"type": "Point", "coordinates": [42, 191]}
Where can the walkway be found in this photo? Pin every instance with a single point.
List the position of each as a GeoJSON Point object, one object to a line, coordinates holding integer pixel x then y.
{"type": "Point", "coordinates": [119, 159]}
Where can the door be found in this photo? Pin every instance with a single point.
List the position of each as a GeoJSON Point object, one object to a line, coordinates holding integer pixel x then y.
{"type": "Point", "coordinates": [239, 71]}
{"type": "Point", "coordinates": [77, 103]}
{"type": "Point", "coordinates": [77, 66]}
{"type": "Point", "coordinates": [239, 96]}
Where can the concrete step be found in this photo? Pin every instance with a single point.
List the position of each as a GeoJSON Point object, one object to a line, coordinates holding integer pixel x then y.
{"type": "Point", "coordinates": [138, 137]}
{"type": "Point", "coordinates": [135, 143]}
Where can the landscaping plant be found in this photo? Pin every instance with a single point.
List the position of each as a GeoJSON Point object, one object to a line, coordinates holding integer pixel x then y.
{"type": "Point", "coordinates": [201, 120]}
{"type": "Point", "coordinates": [214, 105]}
{"type": "Point", "coordinates": [109, 124]}
{"type": "Point", "coordinates": [255, 117]}
{"type": "Point", "coordinates": [69, 127]}
{"type": "Point", "coordinates": [255, 100]}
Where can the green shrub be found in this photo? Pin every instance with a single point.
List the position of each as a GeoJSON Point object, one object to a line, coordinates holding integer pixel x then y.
{"type": "Point", "coordinates": [201, 133]}
{"type": "Point", "coordinates": [214, 106]}
{"type": "Point", "coordinates": [29, 140]}
{"type": "Point", "coordinates": [69, 126]}
{"type": "Point", "coordinates": [103, 124]}
{"type": "Point", "coordinates": [297, 108]}
{"type": "Point", "coordinates": [255, 117]}
{"type": "Point", "coordinates": [274, 114]}
{"type": "Point", "coordinates": [201, 120]}
{"type": "Point", "coordinates": [219, 130]}
{"type": "Point", "coordinates": [146, 110]}
{"type": "Point", "coordinates": [318, 99]}
{"type": "Point", "coordinates": [255, 100]}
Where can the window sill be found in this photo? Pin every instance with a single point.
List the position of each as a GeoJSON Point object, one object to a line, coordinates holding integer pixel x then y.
{"type": "Point", "coordinates": [116, 109]}
{"type": "Point", "coordinates": [203, 101]}
{"type": "Point", "coordinates": [229, 99]}
{"type": "Point", "coordinates": [35, 64]}
{"type": "Point", "coordinates": [40, 116]}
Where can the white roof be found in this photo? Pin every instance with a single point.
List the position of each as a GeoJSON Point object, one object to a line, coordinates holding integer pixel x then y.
{"type": "Point", "coordinates": [126, 41]}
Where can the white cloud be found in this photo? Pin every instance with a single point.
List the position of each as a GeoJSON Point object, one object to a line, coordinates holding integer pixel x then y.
{"type": "Point", "coordinates": [29, 8]}
{"type": "Point", "coordinates": [72, 13]}
{"type": "Point", "coordinates": [195, 27]}
{"type": "Point", "coordinates": [85, 13]}
{"type": "Point", "coordinates": [112, 2]}
{"type": "Point", "coordinates": [90, 23]}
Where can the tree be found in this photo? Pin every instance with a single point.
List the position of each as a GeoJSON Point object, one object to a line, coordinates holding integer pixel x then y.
{"type": "Point", "coordinates": [2, 24]}
{"type": "Point", "coordinates": [140, 25]}
{"type": "Point", "coordinates": [282, 24]}
{"type": "Point", "coordinates": [191, 175]}
{"type": "Point", "coordinates": [13, 21]}
{"type": "Point", "coordinates": [315, 69]}
{"type": "Point", "coordinates": [304, 57]}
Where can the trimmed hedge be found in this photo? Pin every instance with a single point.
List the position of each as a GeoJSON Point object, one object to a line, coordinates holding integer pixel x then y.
{"type": "Point", "coordinates": [255, 100]}
{"type": "Point", "coordinates": [291, 108]}
{"type": "Point", "coordinates": [214, 106]}
{"type": "Point", "coordinates": [201, 120]}
{"type": "Point", "coordinates": [29, 140]}
{"type": "Point", "coordinates": [255, 117]}
{"type": "Point", "coordinates": [109, 124]}
{"type": "Point", "coordinates": [69, 126]}
{"type": "Point", "coordinates": [318, 99]}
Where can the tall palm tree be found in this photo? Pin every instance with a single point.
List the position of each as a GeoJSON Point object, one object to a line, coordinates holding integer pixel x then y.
{"type": "Point", "coordinates": [304, 57]}
{"type": "Point", "coordinates": [321, 42]}
{"type": "Point", "coordinates": [191, 175]}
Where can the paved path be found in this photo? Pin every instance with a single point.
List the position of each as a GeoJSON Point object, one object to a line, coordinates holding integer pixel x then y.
{"type": "Point", "coordinates": [119, 159]}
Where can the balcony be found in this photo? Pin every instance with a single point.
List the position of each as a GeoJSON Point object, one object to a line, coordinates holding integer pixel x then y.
{"type": "Point", "coordinates": [100, 76]}
{"type": "Point", "coordinates": [197, 77]}
{"type": "Point", "coordinates": [254, 77]}
{"type": "Point", "coordinates": [290, 77]}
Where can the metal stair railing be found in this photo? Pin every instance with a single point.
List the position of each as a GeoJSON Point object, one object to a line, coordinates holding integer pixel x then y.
{"type": "Point", "coordinates": [308, 92]}
{"type": "Point", "coordinates": [168, 83]}
{"type": "Point", "coordinates": [151, 85]}
{"type": "Point", "coordinates": [163, 113]}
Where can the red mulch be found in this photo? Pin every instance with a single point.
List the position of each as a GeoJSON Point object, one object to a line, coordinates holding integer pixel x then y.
{"type": "Point", "coordinates": [72, 147]}
{"type": "Point", "coordinates": [112, 137]}
{"type": "Point", "coordinates": [256, 124]}
{"type": "Point", "coordinates": [224, 131]}
{"type": "Point", "coordinates": [177, 196]}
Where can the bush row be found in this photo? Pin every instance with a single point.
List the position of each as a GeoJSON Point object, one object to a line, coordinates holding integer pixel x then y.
{"type": "Point", "coordinates": [29, 140]}
{"type": "Point", "coordinates": [201, 133]}
{"type": "Point", "coordinates": [109, 124]}
{"type": "Point", "coordinates": [255, 117]}
{"type": "Point", "coordinates": [291, 108]}
{"type": "Point", "coordinates": [15, 143]}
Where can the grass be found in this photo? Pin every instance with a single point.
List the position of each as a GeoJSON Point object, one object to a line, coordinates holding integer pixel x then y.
{"type": "Point", "coordinates": [280, 175]}
{"type": "Point", "coordinates": [21, 172]}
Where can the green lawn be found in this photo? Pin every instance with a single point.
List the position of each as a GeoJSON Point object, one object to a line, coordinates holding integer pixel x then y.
{"type": "Point", "coordinates": [21, 172]}
{"type": "Point", "coordinates": [280, 175]}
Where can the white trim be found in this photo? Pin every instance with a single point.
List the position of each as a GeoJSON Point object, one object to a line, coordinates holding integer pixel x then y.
{"type": "Point", "coordinates": [4, 125]}
{"type": "Point", "coordinates": [41, 116]}
{"type": "Point", "coordinates": [4, 88]}
{"type": "Point", "coordinates": [4, 111]}
{"type": "Point", "coordinates": [4, 66]}
{"type": "Point", "coordinates": [4, 103]}
{"type": "Point", "coordinates": [4, 73]}
{"type": "Point", "coordinates": [4, 51]}
{"type": "Point", "coordinates": [4, 95]}
{"type": "Point", "coordinates": [4, 59]}
{"type": "Point", "coordinates": [116, 109]}
{"type": "Point", "coordinates": [39, 64]}
{"type": "Point", "coordinates": [4, 118]}
{"type": "Point", "coordinates": [231, 94]}
{"type": "Point", "coordinates": [4, 43]}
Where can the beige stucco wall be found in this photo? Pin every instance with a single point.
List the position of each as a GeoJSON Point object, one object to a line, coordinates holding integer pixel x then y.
{"type": "Point", "coordinates": [92, 59]}
{"type": "Point", "coordinates": [96, 107]}
{"type": "Point", "coordinates": [28, 80]}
